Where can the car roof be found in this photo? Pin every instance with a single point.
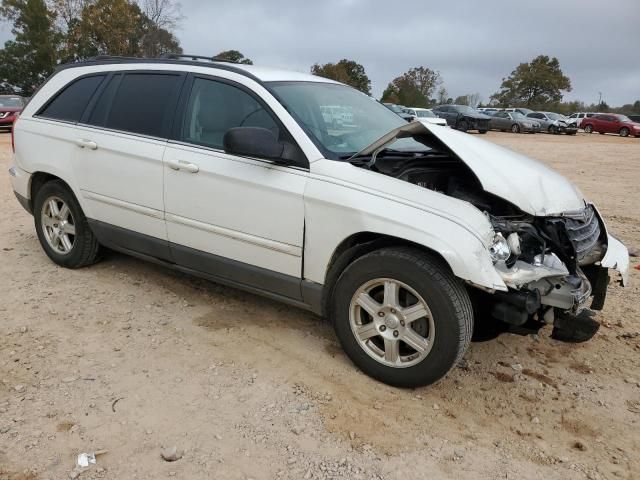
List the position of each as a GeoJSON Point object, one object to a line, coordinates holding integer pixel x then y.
{"type": "Point", "coordinates": [261, 74]}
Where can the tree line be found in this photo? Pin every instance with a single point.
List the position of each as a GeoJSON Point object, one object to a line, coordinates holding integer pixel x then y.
{"type": "Point", "coordinates": [538, 85]}
{"type": "Point", "coordinates": [50, 32]}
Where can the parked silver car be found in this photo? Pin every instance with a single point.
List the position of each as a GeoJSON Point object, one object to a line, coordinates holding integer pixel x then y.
{"type": "Point", "coordinates": [553, 122]}
{"type": "Point", "coordinates": [513, 121]}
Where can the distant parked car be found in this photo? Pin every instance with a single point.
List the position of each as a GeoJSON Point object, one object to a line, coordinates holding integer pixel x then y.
{"type": "Point", "coordinates": [336, 116]}
{"type": "Point", "coordinates": [553, 123]}
{"type": "Point", "coordinates": [10, 108]}
{"type": "Point", "coordinates": [488, 110]}
{"type": "Point", "coordinates": [578, 117]}
{"type": "Point", "coordinates": [611, 123]}
{"type": "Point", "coordinates": [399, 110]}
{"type": "Point", "coordinates": [425, 115]}
{"type": "Point", "coordinates": [522, 110]}
{"type": "Point", "coordinates": [513, 121]}
{"type": "Point", "coordinates": [634, 118]}
{"type": "Point", "coordinates": [463, 117]}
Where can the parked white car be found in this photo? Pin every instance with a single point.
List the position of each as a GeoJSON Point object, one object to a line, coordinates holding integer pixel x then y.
{"type": "Point", "coordinates": [578, 117]}
{"type": "Point", "coordinates": [425, 115]}
{"type": "Point", "coordinates": [398, 232]}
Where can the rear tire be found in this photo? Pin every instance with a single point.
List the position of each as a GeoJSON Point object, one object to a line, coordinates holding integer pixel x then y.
{"type": "Point", "coordinates": [482, 131]}
{"type": "Point", "coordinates": [624, 132]}
{"type": "Point", "coordinates": [463, 126]}
{"type": "Point", "coordinates": [372, 321]}
{"type": "Point", "coordinates": [588, 129]}
{"type": "Point", "coordinates": [62, 228]}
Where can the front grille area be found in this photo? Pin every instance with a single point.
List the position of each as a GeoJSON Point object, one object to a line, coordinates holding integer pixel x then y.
{"type": "Point", "coordinates": [583, 231]}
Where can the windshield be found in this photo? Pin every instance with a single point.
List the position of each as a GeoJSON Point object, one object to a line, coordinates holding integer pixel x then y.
{"type": "Point", "coordinates": [624, 118]}
{"type": "Point", "coordinates": [337, 137]}
{"type": "Point", "coordinates": [466, 109]}
{"type": "Point", "coordinates": [394, 108]}
{"type": "Point", "coordinates": [426, 114]}
{"type": "Point", "coordinates": [517, 115]}
{"type": "Point", "coordinates": [10, 102]}
{"type": "Point", "coordinates": [555, 116]}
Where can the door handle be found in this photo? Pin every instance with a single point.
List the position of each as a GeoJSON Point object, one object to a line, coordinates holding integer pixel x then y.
{"type": "Point", "coordinates": [183, 165]}
{"type": "Point", "coordinates": [83, 143]}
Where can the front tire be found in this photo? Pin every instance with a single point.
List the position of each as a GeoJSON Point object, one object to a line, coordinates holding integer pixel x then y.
{"type": "Point", "coordinates": [624, 132]}
{"type": "Point", "coordinates": [402, 317]}
{"type": "Point", "coordinates": [62, 228]}
{"type": "Point", "coordinates": [588, 129]}
{"type": "Point", "coordinates": [515, 128]}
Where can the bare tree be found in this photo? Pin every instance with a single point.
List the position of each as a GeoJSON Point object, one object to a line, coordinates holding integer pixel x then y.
{"type": "Point", "coordinates": [165, 14]}
{"type": "Point", "coordinates": [67, 11]}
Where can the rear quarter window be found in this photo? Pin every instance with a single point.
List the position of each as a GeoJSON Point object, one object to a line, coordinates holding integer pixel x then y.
{"type": "Point", "coordinates": [71, 101]}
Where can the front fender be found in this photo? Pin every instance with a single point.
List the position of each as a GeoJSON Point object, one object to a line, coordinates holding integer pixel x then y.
{"type": "Point", "coordinates": [335, 210]}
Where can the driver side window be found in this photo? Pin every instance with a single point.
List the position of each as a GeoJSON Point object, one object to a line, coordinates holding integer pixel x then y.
{"type": "Point", "coordinates": [215, 107]}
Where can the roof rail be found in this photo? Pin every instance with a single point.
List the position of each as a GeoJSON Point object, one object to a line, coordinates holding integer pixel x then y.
{"type": "Point", "coordinates": [174, 58]}
{"type": "Point", "coordinates": [182, 56]}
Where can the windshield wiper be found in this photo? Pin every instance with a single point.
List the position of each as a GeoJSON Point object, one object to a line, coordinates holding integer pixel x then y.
{"type": "Point", "coordinates": [385, 152]}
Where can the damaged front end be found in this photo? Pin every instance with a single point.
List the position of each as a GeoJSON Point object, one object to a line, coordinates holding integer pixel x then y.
{"type": "Point", "coordinates": [558, 261]}
{"type": "Point", "coordinates": [550, 247]}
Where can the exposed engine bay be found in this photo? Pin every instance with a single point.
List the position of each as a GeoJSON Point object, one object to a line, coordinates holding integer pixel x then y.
{"type": "Point", "coordinates": [550, 263]}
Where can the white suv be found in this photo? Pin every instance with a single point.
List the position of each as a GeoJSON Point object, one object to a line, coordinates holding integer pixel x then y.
{"type": "Point", "coordinates": [401, 233]}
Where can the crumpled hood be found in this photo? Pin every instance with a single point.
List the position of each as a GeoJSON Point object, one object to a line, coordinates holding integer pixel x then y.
{"type": "Point", "coordinates": [526, 183]}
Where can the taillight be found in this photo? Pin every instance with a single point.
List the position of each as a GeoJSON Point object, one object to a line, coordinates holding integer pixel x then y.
{"type": "Point", "coordinates": [13, 135]}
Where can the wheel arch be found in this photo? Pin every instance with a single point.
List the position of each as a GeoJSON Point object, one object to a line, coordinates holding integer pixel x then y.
{"type": "Point", "coordinates": [358, 245]}
{"type": "Point", "coordinates": [38, 179]}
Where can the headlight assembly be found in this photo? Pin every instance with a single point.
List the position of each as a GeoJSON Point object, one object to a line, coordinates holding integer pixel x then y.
{"type": "Point", "coordinates": [499, 249]}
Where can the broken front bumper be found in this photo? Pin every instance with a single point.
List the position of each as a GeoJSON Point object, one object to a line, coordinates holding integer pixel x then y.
{"type": "Point", "coordinates": [549, 276]}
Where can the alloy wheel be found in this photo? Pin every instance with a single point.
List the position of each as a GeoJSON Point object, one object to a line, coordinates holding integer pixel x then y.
{"type": "Point", "coordinates": [392, 323]}
{"type": "Point", "coordinates": [58, 225]}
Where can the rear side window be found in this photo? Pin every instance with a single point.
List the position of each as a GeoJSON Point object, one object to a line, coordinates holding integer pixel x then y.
{"type": "Point", "coordinates": [136, 103]}
{"type": "Point", "coordinates": [69, 104]}
{"type": "Point", "coordinates": [215, 107]}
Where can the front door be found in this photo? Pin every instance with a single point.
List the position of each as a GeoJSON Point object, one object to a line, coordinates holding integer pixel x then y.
{"type": "Point", "coordinates": [236, 218]}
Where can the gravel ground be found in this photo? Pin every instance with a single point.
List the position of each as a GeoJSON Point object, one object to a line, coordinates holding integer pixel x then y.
{"type": "Point", "coordinates": [132, 358]}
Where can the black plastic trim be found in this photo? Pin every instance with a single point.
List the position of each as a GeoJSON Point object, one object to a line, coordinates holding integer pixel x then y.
{"type": "Point", "coordinates": [281, 287]}
{"type": "Point", "coordinates": [26, 204]}
{"type": "Point", "coordinates": [116, 238]}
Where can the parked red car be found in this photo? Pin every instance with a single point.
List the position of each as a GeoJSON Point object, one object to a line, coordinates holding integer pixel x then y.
{"type": "Point", "coordinates": [611, 123]}
{"type": "Point", "coordinates": [10, 108]}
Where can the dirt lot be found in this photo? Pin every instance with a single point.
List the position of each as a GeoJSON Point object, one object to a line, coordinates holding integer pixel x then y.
{"type": "Point", "coordinates": [129, 357]}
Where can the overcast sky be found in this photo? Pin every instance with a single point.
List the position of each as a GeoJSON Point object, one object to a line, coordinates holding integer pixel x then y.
{"type": "Point", "coordinates": [474, 44]}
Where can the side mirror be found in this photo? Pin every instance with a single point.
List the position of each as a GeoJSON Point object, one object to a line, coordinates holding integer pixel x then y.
{"type": "Point", "coordinates": [262, 143]}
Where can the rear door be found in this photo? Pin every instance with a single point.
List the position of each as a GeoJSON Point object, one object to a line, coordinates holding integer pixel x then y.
{"type": "Point", "coordinates": [503, 121]}
{"type": "Point", "coordinates": [234, 217]}
{"type": "Point", "coordinates": [122, 138]}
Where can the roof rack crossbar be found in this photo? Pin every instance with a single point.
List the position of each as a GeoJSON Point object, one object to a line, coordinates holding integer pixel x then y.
{"type": "Point", "coordinates": [182, 56]}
